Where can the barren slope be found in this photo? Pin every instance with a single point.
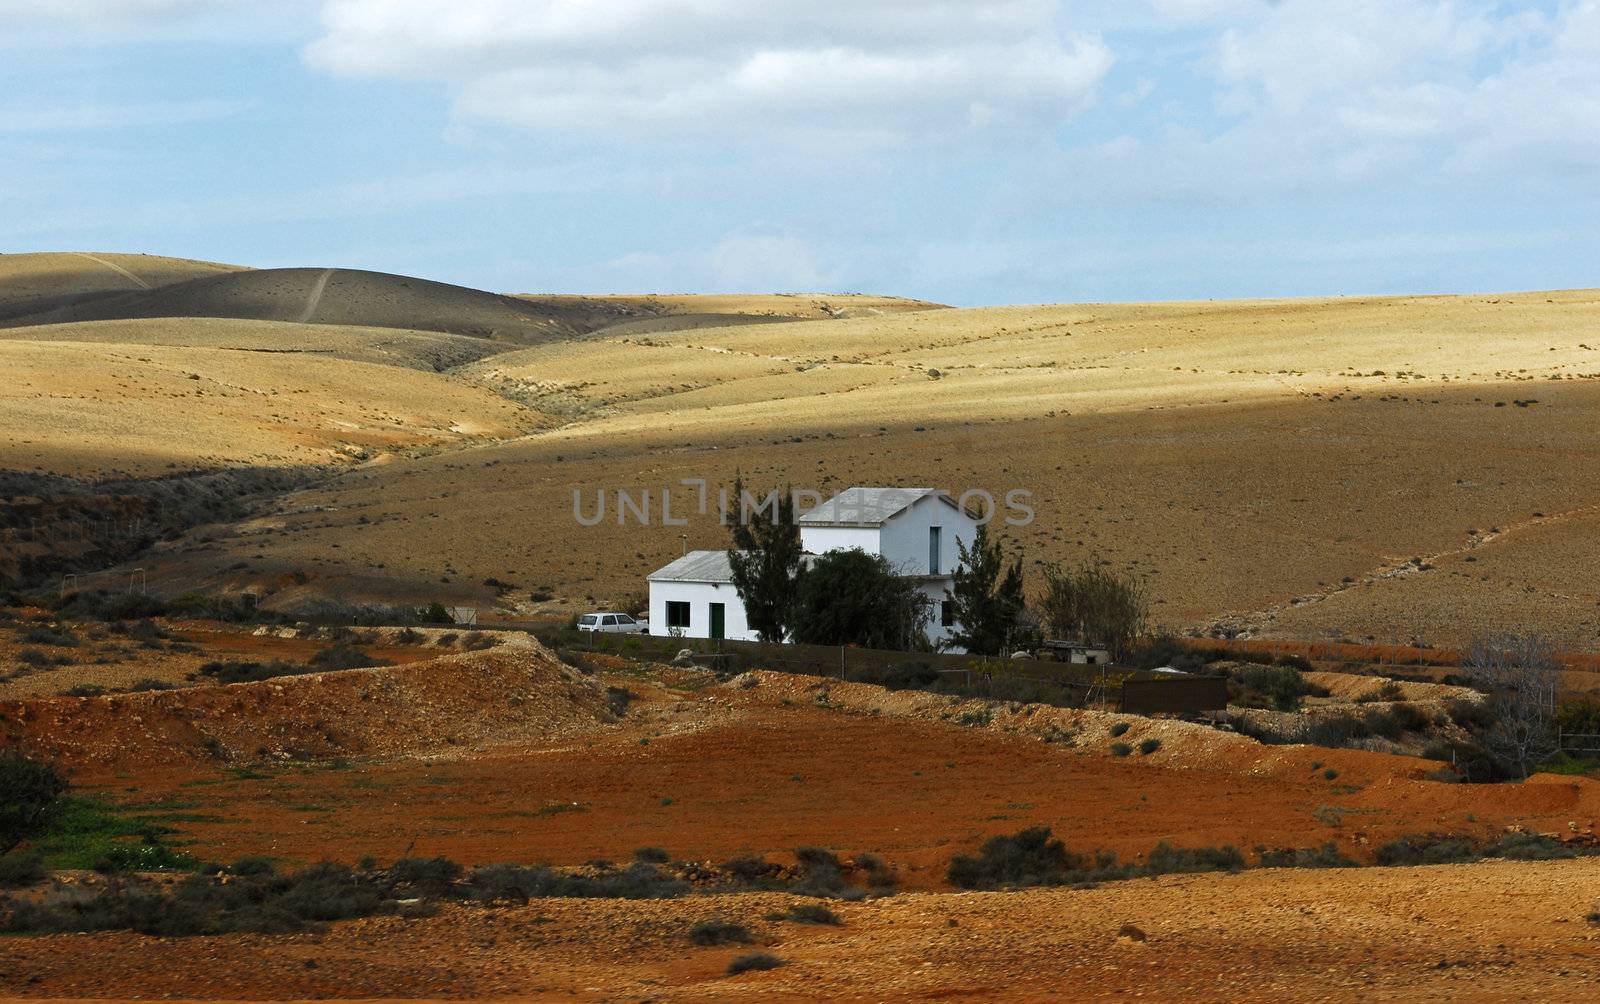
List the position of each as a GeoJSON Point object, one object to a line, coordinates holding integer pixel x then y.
{"type": "Point", "coordinates": [30, 283]}
{"type": "Point", "coordinates": [101, 410]}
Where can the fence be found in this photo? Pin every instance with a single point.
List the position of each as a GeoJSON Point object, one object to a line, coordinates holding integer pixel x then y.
{"type": "Point", "coordinates": [1578, 742]}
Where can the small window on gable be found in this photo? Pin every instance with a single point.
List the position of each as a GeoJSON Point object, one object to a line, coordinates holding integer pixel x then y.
{"type": "Point", "coordinates": [935, 535]}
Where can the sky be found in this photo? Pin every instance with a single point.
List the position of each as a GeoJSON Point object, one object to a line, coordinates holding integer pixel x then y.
{"type": "Point", "coordinates": [1010, 151]}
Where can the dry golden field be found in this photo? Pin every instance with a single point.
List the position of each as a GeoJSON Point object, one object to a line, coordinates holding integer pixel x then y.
{"type": "Point", "coordinates": [1392, 469]}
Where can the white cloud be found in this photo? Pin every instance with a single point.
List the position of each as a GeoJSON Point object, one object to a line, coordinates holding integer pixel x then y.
{"type": "Point", "coordinates": [1376, 85]}
{"type": "Point", "coordinates": [866, 71]}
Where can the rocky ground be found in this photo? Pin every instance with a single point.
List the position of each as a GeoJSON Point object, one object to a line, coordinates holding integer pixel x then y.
{"type": "Point", "coordinates": [1482, 932]}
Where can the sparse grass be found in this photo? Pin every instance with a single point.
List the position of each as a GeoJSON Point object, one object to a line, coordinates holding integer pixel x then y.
{"type": "Point", "coordinates": [93, 834]}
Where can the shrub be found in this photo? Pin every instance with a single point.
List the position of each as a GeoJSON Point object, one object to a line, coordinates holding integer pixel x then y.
{"type": "Point", "coordinates": [1429, 849]}
{"type": "Point", "coordinates": [821, 873]}
{"type": "Point", "coordinates": [150, 683]}
{"type": "Point", "coordinates": [428, 876]}
{"type": "Point", "coordinates": [435, 613]}
{"type": "Point", "coordinates": [1118, 729]}
{"type": "Point", "coordinates": [652, 855]}
{"type": "Point", "coordinates": [618, 699]}
{"type": "Point", "coordinates": [753, 961]}
{"type": "Point", "coordinates": [253, 865]}
{"type": "Point", "coordinates": [1382, 722]}
{"type": "Point", "coordinates": [33, 797]}
{"type": "Point", "coordinates": [1283, 686]}
{"type": "Point", "coordinates": [1336, 730]}
{"type": "Point", "coordinates": [1120, 749]}
{"type": "Point", "coordinates": [752, 872]}
{"type": "Point", "coordinates": [639, 880]}
{"type": "Point", "coordinates": [1148, 746]}
{"type": "Point", "coordinates": [344, 657]}
{"type": "Point", "coordinates": [1329, 815]}
{"type": "Point", "coordinates": [1166, 859]}
{"type": "Point", "coordinates": [33, 657]}
{"type": "Point", "coordinates": [1580, 715]}
{"type": "Point", "coordinates": [252, 672]}
{"type": "Point", "coordinates": [57, 636]}
{"type": "Point", "coordinates": [1410, 717]}
{"type": "Point", "coordinates": [1027, 858]}
{"type": "Point", "coordinates": [1326, 856]}
{"type": "Point", "coordinates": [103, 606]}
{"type": "Point", "coordinates": [708, 933]}
{"type": "Point", "coordinates": [84, 690]}
{"type": "Point", "coordinates": [1530, 847]}
{"type": "Point", "coordinates": [1471, 715]}
{"type": "Point", "coordinates": [21, 872]}
{"type": "Point", "coordinates": [806, 913]}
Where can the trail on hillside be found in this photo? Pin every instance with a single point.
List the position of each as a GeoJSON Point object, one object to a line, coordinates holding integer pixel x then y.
{"type": "Point", "coordinates": [113, 266]}
{"type": "Point", "coordinates": [315, 299]}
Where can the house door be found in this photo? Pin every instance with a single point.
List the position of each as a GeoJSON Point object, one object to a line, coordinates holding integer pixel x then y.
{"type": "Point", "coordinates": [717, 620]}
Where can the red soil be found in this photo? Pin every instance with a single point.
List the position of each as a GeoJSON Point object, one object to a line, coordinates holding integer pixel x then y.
{"type": "Point", "coordinates": [728, 772]}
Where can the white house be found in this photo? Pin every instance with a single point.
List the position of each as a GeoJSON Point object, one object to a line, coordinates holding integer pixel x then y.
{"type": "Point", "coordinates": [914, 529]}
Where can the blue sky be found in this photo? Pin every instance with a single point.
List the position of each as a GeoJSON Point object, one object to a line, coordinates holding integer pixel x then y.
{"type": "Point", "coordinates": [968, 152]}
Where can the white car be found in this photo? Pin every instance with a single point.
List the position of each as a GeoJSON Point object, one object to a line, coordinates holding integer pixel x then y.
{"type": "Point", "coordinates": [612, 622]}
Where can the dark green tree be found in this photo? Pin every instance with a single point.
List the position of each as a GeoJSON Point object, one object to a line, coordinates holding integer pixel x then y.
{"type": "Point", "coordinates": [854, 598]}
{"type": "Point", "coordinates": [30, 797]}
{"type": "Point", "coordinates": [987, 596]}
{"type": "Point", "coordinates": [765, 560]}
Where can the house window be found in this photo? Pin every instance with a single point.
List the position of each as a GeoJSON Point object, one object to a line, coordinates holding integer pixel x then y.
{"type": "Point", "coordinates": [934, 533]}
{"type": "Point", "coordinates": [678, 614]}
{"type": "Point", "coordinates": [947, 614]}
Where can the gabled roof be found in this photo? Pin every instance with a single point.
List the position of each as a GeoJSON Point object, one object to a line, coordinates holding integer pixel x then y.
{"type": "Point", "coordinates": [706, 566]}
{"type": "Point", "coordinates": [869, 506]}
{"type": "Point", "coordinates": [696, 566]}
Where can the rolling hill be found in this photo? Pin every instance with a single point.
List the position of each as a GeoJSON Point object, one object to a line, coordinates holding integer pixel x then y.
{"type": "Point", "coordinates": [38, 283]}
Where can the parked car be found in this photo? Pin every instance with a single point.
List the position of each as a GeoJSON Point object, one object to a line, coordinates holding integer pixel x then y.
{"type": "Point", "coordinates": [612, 622]}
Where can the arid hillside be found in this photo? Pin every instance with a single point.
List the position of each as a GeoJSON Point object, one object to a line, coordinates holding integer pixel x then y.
{"type": "Point", "coordinates": [1376, 469]}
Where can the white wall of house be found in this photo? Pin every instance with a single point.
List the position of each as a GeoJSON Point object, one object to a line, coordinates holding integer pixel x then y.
{"type": "Point", "coordinates": [700, 596]}
{"type": "Point", "coordinates": [822, 539]}
{"type": "Point", "coordinates": [935, 590]}
{"type": "Point", "coordinates": [904, 540]}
